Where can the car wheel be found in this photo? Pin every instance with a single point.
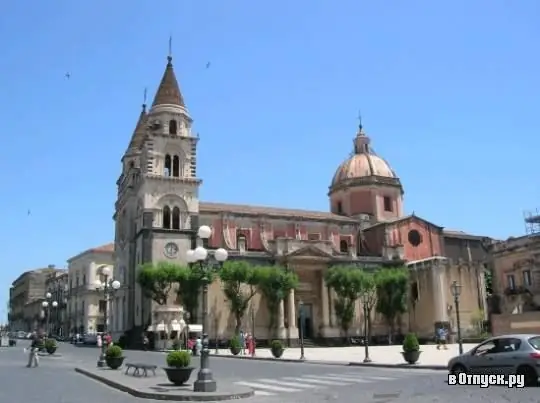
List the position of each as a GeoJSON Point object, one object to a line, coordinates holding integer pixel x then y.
{"type": "Point", "coordinates": [458, 369]}
{"type": "Point", "coordinates": [530, 375]}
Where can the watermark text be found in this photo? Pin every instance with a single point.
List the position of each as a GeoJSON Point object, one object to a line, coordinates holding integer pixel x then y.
{"type": "Point", "coordinates": [485, 381]}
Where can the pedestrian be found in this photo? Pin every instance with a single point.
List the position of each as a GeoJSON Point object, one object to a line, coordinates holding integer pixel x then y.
{"type": "Point", "coordinates": [242, 342]}
{"type": "Point", "coordinates": [198, 345]}
{"type": "Point", "coordinates": [250, 341]}
{"type": "Point", "coordinates": [442, 334]}
{"type": "Point", "coordinates": [99, 341]}
{"type": "Point", "coordinates": [33, 359]}
{"type": "Point", "coordinates": [145, 342]}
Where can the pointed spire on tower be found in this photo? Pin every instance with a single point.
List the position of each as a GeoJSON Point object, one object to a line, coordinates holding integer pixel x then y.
{"type": "Point", "coordinates": [140, 131]}
{"type": "Point", "coordinates": [168, 92]}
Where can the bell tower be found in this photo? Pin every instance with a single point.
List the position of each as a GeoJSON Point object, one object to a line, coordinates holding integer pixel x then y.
{"type": "Point", "coordinates": [158, 193]}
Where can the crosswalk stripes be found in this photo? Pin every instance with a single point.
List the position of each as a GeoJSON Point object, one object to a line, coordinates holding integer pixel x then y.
{"type": "Point", "coordinates": [291, 384]}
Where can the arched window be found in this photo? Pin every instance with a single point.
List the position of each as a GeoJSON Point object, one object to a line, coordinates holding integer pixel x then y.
{"type": "Point", "coordinates": [343, 246]}
{"type": "Point", "coordinates": [176, 166]}
{"type": "Point", "coordinates": [131, 164]}
{"type": "Point", "coordinates": [166, 217]}
{"type": "Point", "coordinates": [168, 166]}
{"type": "Point", "coordinates": [176, 218]}
{"type": "Point", "coordinates": [173, 126]}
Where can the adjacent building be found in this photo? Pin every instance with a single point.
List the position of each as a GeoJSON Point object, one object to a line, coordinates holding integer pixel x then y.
{"type": "Point", "coordinates": [158, 211]}
{"type": "Point", "coordinates": [56, 285]}
{"type": "Point", "coordinates": [516, 280]}
{"type": "Point", "coordinates": [86, 305]}
{"type": "Point", "coordinates": [26, 295]}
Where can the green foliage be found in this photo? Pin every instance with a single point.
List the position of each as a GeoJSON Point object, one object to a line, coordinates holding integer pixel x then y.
{"type": "Point", "coordinates": [392, 293]}
{"type": "Point", "coordinates": [235, 342]}
{"type": "Point", "coordinates": [488, 281]}
{"type": "Point", "coordinates": [176, 344]}
{"type": "Point", "coordinates": [156, 280]}
{"type": "Point", "coordinates": [235, 275]}
{"type": "Point", "coordinates": [348, 282]}
{"type": "Point", "coordinates": [276, 345]}
{"type": "Point", "coordinates": [190, 282]}
{"type": "Point", "coordinates": [114, 351]}
{"type": "Point", "coordinates": [411, 343]}
{"type": "Point", "coordinates": [51, 344]}
{"type": "Point", "coordinates": [275, 283]}
{"type": "Point", "coordinates": [179, 359]}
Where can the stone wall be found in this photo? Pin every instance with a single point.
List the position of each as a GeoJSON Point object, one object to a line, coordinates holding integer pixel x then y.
{"type": "Point", "coordinates": [527, 322]}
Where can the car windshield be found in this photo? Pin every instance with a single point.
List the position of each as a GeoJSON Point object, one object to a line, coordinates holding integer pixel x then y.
{"type": "Point", "coordinates": [535, 342]}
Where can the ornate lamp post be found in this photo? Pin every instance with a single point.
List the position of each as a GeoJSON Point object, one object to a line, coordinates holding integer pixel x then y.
{"type": "Point", "coordinates": [301, 330]}
{"type": "Point", "coordinates": [456, 292]}
{"type": "Point", "coordinates": [47, 308]}
{"type": "Point", "coordinates": [108, 287]}
{"type": "Point", "coordinates": [198, 258]}
{"type": "Point", "coordinates": [187, 316]}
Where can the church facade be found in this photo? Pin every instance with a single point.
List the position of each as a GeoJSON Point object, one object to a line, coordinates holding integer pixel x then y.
{"type": "Point", "coordinates": [158, 211]}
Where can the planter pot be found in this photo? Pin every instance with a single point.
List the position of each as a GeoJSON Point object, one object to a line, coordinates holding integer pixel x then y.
{"type": "Point", "coordinates": [51, 350]}
{"type": "Point", "coordinates": [235, 350]}
{"type": "Point", "coordinates": [277, 352]}
{"type": "Point", "coordinates": [411, 357]}
{"type": "Point", "coordinates": [178, 376]}
{"type": "Point", "coordinates": [114, 362]}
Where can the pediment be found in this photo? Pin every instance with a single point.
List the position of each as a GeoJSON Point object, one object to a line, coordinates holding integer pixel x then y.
{"type": "Point", "coordinates": [309, 251]}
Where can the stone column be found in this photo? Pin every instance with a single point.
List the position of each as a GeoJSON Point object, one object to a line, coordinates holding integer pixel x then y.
{"type": "Point", "coordinates": [291, 314]}
{"type": "Point", "coordinates": [439, 291]}
{"type": "Point", "coordinates": [324, 306]}
{"type": "Point", "coordinates": [281, 320]}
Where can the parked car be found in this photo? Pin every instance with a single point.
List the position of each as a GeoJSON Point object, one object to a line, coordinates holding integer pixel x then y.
{"type": "Point", "coordinates": [502, 355]}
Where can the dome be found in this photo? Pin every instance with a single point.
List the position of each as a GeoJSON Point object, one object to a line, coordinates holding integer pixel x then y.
{"type": "Point", "coordinates": [364, 166]}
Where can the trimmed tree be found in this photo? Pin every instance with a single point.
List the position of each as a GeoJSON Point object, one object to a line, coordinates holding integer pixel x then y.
{"type": "Point", "coordinates": [274, 284]}
{"type": "Point", "coordinates": [347, 282]}
{"type": "Point", "coordinates": [368, 297]}
{"type": "Point", "coordinates": [157, 279]}
{"type": "Point", "coordinates": [392, 294]}
{"type": "Point", "coordinates": [190, 282]}
{"type": "Point", "coordinates": [239, 280]}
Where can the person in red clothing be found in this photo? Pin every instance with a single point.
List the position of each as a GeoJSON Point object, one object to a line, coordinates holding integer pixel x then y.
{"type": "Point", "coordinates": [250, 341]}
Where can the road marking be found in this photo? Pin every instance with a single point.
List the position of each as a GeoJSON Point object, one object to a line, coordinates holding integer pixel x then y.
{"type": "Point", "coordinates": [256, 385]}
{"type": "Point", "coordinates": [347, 378]}
{"type": "Point", "coordinates": [263, 393]}
{"type": "Point", "coordinates": [381, 378]}
{"type": "Point", "coordinates": [319, 381]}
{"type": "Point", "coordinates": [291, 384]}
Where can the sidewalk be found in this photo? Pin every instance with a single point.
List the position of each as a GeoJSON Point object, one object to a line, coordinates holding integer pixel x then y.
{"type": "Point", "coordinates": [384, 356]}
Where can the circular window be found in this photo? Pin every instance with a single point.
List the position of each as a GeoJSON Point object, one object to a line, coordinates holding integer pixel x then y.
{"type": "Point", "coordinates": [415, 238]}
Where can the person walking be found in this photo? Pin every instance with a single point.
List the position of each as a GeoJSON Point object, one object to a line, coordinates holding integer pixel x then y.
{"type": "Point", "coordinates": [242, 338]}
{"type": "Point", "coordinates": [442, 334]}
{"type": "Point", "coordinates": [35, 342]}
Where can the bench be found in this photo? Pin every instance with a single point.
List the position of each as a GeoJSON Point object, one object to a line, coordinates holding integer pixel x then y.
{"type": "Point", "coordinates": [140, 369]}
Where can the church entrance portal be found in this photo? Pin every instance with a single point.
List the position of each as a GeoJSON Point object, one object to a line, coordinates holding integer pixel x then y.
{"type": "Point", "coordinates": [306, 325]}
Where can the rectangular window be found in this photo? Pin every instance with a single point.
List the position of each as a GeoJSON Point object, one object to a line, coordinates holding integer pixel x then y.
{"type": "Point", "coordinates": [339, 207]}
{"type": "Point", "coordinates": [314, 237]}
{"type": "Point", "coordinates": [510, 279]}
{"type": "Point", "coordinates": [527, 279]}
{"type": "Point", "coordinates": [387, 203]}
{"type": "Point", "coordinates": [102, 305]}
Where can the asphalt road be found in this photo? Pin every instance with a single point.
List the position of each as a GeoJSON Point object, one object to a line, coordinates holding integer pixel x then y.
{"type": "Point", "coordinates": [56, 382]}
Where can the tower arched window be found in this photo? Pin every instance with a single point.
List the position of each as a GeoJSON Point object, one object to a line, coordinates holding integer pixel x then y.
{"type": "Point", "coordinates": [344, 246]}
{"type": "Point", "coordinates": [176, 166]}
{"type": "Point", "coordinates": [173, 126]}
{"type": "Point", "coordinates": [168, 165]}
{"type": "Point", "coordinates": [176, 218]}
{"type": "Point", "coordinates": [167, 217]}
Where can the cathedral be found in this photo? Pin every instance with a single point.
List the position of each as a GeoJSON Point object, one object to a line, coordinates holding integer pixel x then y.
{"type": "Point", "coordinates": [158, 210]}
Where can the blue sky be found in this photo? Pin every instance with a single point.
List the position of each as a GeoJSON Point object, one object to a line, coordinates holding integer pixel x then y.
{"type": "Point", "coordinates": [449, 93]}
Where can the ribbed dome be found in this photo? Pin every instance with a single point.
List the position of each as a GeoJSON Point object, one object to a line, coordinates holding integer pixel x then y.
{"type": "Point", "coordinates": [363, 163]}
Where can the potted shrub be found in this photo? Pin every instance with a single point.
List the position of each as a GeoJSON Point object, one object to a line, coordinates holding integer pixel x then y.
{"type": "Point", "coordinates": [178, 369]}
{"type": "Point", "coordinates": [51, 346]}
{"type": "Point", "coordinates": [277, 348]}
{"type": "Point", "coordinates": [235, 346]}
{"type": "Point", "coordinates": [114, 357]}
{"type": "Point", "coordinates": [411, 349]}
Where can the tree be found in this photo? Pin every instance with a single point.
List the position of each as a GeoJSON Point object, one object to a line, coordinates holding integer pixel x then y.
{"type": "Point", "coordinates": [347, 283]}
{"type": "Point", "coordinates": [190, 282]}
{"type": "Point", "coordinates": [368, 296]}
{"type": "Point", "coordinates": [157, 279]}
{"type": "Point", "coordinates": [392, 293]}
{"type": "Point", "coordinates": [235, 275]}
{"type": "Point", "coordinates": [275, 283]}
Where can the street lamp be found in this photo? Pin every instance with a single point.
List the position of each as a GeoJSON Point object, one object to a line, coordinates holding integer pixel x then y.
{"type": "Point", "coordinates": [187, 316]}
{"type": "Point", "coordinates": [456, 291]}
{"type": "Point", "coordinates": [47, 308]}
{"type": "Point", "coordinates": [301, 330]}
{"type": "Point", "coordinates": [366, 298]}
{"type": "Point", "coordinates": [108, 287]}
{"type": "Point", "coordinates": [199, 256]}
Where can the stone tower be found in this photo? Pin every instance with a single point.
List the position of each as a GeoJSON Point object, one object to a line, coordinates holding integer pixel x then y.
{"type": "Point", "coordinates": [158, 195]}
{"type": "Point", "coordinates": [365, 185]}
